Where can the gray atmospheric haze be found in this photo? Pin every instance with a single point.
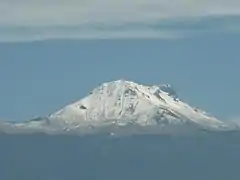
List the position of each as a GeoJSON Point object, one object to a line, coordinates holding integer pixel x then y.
{"type": "Point", "coordinates": [58, 123]}
{"type": "Point", "coordinates": [185, 152]}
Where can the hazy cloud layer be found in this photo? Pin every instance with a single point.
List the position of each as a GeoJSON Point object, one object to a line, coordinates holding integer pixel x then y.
{"type": "Point", "coordinates": [234, 121]}
{"type": "Point", "coordinates": [102, 17]}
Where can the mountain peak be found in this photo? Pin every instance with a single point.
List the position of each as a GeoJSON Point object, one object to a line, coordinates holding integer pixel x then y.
{"type": "Point", "coordinates": [133, 86]}
{"type": "Point", "coordinates": [125, 102]}
{"type": "Point", "coordinates": [121, 103]}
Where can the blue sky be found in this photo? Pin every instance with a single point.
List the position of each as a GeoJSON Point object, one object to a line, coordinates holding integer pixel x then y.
{"type": "Point", "coordinates": [37, 78]}
{"type": "Point", "coordinates": [53, 54]}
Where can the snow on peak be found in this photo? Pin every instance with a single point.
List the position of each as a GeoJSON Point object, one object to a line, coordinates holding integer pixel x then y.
{"type": "Point", "coordinates": [124, 102]}
{"type": "Point", "coordinates": [168, 89]}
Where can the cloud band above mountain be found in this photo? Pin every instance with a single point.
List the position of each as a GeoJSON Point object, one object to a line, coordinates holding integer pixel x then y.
{"type": "Point", "coordinates": [26, 19]}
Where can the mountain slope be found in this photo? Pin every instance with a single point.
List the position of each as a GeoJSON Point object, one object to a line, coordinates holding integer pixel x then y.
{"type": "Point", "coordinates": [122, 103]}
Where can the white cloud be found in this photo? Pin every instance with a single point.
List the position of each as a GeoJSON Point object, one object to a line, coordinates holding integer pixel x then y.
{"type": "Point", "coordinates": [92, 34]}
{"type": "Point", "coordinates": [234, 121]}
{"type": "Point", "coordinates": [71, 13]}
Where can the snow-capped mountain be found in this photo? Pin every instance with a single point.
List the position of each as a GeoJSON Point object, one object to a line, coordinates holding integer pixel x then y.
{"type": "Point", "coordinates": [121, 103]}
